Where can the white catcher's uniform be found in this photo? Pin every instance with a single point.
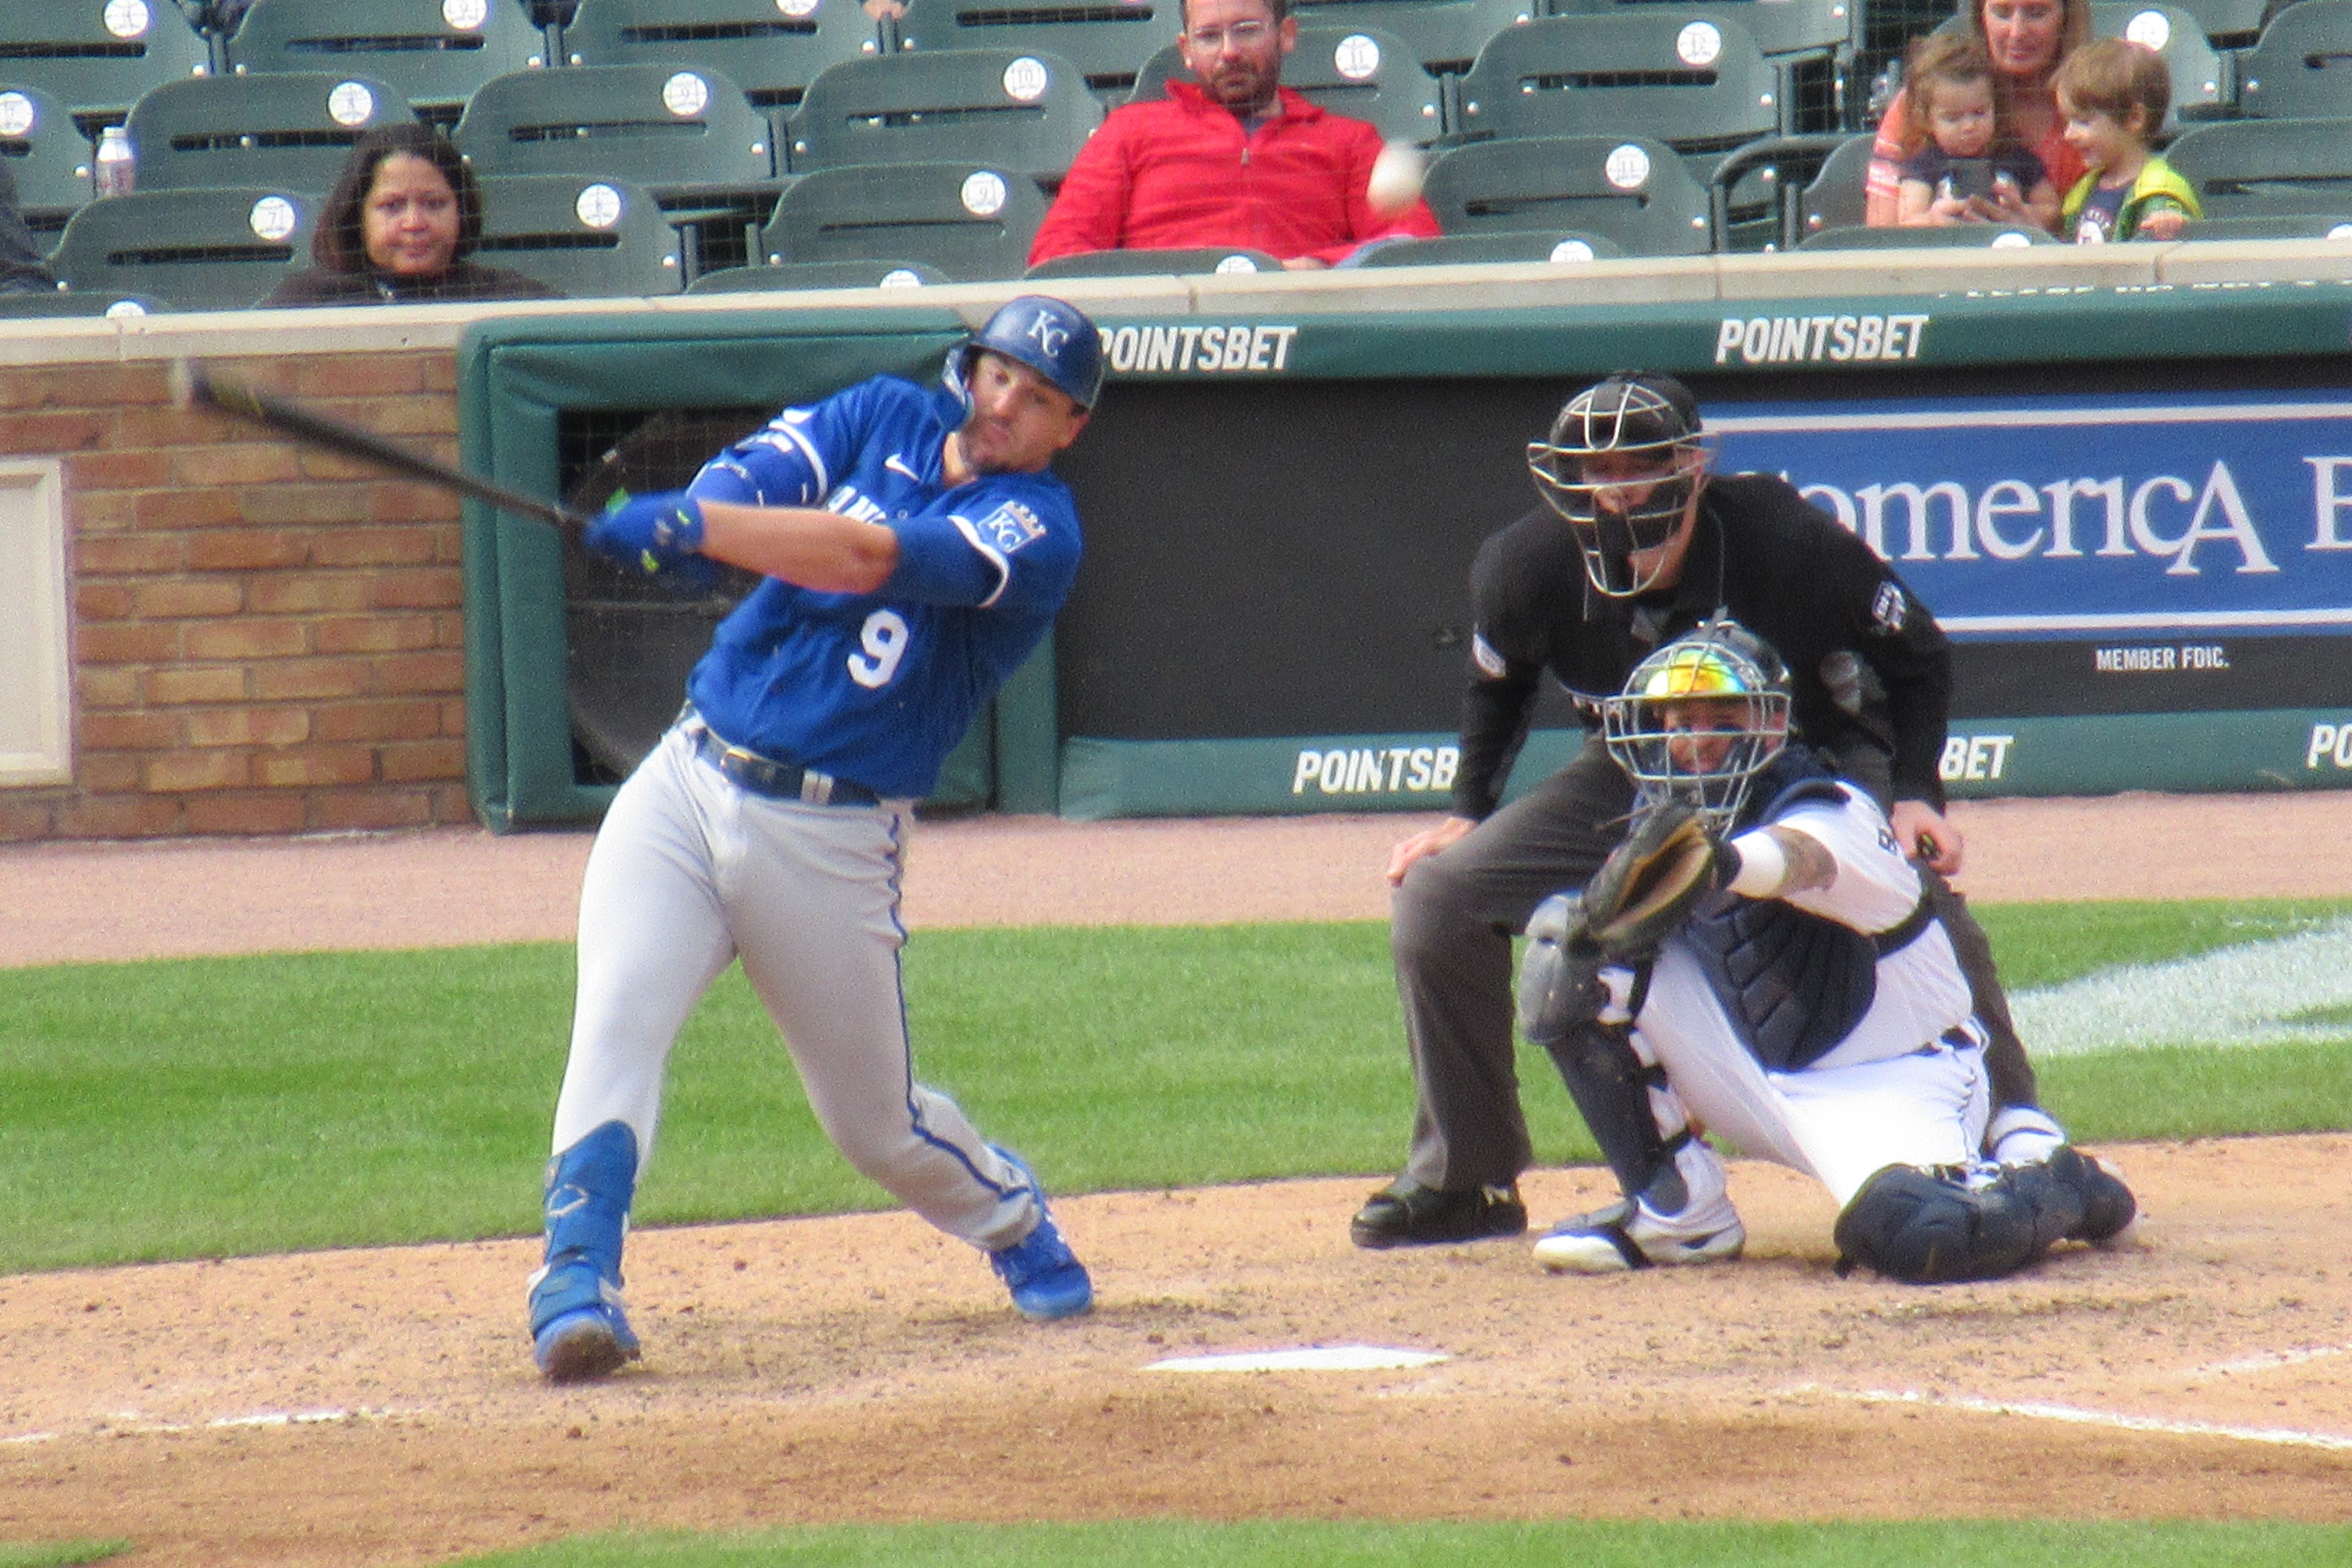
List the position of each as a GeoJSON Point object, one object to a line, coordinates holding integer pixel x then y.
{"type": "Point", "coordinates": [1905, 1085]}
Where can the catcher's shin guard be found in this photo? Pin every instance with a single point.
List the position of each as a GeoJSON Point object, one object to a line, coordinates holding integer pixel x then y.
{"type": "Point", "coordinates": [1611, 1087]}
{"type": "Point", "coordinates": [1953, 1224]}
{"type": "Point", "coordinates": [578, 1326]}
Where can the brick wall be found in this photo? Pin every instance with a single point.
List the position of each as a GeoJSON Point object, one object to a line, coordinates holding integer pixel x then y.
{"type": "Point", "coordinates": [267, 639]}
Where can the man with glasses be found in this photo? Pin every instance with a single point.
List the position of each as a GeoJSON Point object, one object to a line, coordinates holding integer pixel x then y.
{"type": "Point", "coordinates": [1232, 158]}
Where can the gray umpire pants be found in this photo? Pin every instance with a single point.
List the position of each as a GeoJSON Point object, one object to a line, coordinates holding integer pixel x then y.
{"type": "Point", "coordinates": [1450, 933]}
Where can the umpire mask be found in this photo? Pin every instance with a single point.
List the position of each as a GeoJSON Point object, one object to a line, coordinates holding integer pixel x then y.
{"type": "Point", "coordinates": [1700, 718]}
{"type": "Point", "coordinates": [1621, 463]}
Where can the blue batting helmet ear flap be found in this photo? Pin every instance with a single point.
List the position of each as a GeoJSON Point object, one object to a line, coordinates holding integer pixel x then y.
{"type": "Point", "coordinates": [1050, 336]}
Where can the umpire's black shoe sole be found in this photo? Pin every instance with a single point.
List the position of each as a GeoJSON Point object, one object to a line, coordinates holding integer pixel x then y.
{"type": "Point", "coordinates": [1408, 1213]}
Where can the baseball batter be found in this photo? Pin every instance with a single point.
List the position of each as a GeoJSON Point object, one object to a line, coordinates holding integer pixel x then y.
{"type": "Point", "coordinates": [1798, 996]}
{"type": "Point", "coordinates": [916, 549]}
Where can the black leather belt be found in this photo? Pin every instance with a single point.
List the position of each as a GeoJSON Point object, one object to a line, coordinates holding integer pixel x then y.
{"type": "Point", "coordinates": [778, 780]}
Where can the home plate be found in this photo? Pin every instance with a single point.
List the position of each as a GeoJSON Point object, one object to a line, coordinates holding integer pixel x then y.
{"type": "Point", "coordinates": [1314, 1358]}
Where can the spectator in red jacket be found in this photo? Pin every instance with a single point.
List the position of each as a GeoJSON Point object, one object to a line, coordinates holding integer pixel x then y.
{"type": "Point", "coordinates": [1230, 158]}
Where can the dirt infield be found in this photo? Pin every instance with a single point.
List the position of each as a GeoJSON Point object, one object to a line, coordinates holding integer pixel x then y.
{"type": "Point", "coordinates": [379, 1407]}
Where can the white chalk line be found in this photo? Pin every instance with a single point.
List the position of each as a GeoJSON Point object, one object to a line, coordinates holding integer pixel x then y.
{"type": "Point", "coordinates": [1309, 1358]}
{"type": "Point", "coordinates": [134, 1423]}
{"type": "Point", "coordinates": [2269, 1362]}
{"type": "Point", "coordinates": [2247, 995]}
{"type": "Point", "coordinates": [2042, 1410]}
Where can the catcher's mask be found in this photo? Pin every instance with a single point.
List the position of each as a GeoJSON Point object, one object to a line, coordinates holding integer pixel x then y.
{"type": "Point", "coordinates": [1621, 462]}
{"type": "Point", "coordinates": [1700, 718]}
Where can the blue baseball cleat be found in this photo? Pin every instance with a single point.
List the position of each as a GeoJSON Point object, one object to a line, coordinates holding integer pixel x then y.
{"type": "Point", "coordinates": [578, 1328]}
{"type": "Point", "coordinates": [1045, 1278]}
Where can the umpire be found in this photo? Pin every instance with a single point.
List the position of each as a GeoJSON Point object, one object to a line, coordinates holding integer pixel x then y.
{"type": "Point", "coordinates": [1638, 544]}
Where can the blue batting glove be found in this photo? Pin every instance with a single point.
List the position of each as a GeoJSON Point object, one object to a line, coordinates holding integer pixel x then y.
{"type": "Point", "coordinates": [648, 534]}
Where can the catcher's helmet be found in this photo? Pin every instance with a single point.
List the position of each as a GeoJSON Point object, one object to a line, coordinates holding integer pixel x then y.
{"type": "Point", "coordinates": [1050, 336]}
{"type": "Point", "coordinates": [1700, 718]}
{"type": "Point", "coordinates": [1649, 426]}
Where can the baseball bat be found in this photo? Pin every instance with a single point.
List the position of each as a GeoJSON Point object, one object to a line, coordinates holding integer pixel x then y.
{"type": "Point", "coordinates": [193, 385]}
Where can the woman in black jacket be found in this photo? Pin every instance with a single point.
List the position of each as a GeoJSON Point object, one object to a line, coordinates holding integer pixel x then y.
{"type": "Point", "coordinates": [399, 226]}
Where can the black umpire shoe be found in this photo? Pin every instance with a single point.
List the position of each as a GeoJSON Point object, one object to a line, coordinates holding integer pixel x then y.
{"type": "Point", "coordinates": [1407, 1214]}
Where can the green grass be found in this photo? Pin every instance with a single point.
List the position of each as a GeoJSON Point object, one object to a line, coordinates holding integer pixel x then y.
{"type": "Point", "coordinates": [1167, 1543]}
{"type": "Point", "coordinates": [209, 1107]}
{"type": "Point", "coordinates": [58, 1554]}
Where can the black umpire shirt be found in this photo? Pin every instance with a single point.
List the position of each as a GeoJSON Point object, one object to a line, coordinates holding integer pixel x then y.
{"type": "Point", "coordinates": [1783, 568]}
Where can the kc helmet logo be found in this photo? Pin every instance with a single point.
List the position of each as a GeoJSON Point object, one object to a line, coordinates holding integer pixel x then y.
{"type": "Point", "coordinates": [1049, 336]}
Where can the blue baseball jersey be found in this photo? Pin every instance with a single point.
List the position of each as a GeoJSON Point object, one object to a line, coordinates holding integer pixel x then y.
{"type": "Point", "coordinates": [876, 688]}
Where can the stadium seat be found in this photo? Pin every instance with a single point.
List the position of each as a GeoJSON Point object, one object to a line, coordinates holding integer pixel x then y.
{"type": "Point", "coordinates": [1834, 198]}
{"type": "Point", "coordinates": [218, 249]}
{"type": "Point", "coordinates": [1358, 73]}
{"type": "Point", "coordinates": [1947, 236]}
{"type": "Point", "coordinates": [666, 130]}
{"type": "Point", "coordinates": [1156, 262]}
{"type": "Point", "coordinates": [1690, 79]}
{"type": "Point", "coordinates": [293, 131]}
{"type": "Point", "coordinates": [1010, 110]}
{"type": "Point", "coordinates": [1635, 191]}
{"type": "Point", "coordinates": [970, 221]}
{"type": "Point", "coordinates": [436, 52]}
{"type": "Point", "coordinates": [1767, 172]}
{"type": "Point", "coordinates": [1107, 42]}
{"type": "Point", "coordinates": [1779, 26]}
{"type": "Point", "coordinates": [2228, 23]}
{"type": "Point", "coordinates": [2301, 67]}
{"type": "Point", "coordinates": [2335, 225]}
{"type": "Point", "coordinates": [48, 155]}
{"type": "Point", "coordinates": [1558, 246]}
{"type": "Point", "coordinates": [24, 306]}
{"type": "Point", "coordinates": [1445, 35]}
{"type": "Point", "coordinates": [2243, 168]}
{"type": "Point", "coordinates": [771, 48]}
{"type": "Point", "coordinates": [585, 238]}
{"type": "Point", "coordinates": [881, 274]}
{"type": "Point", "coordinates": [2199, 83]}
{"type": "Point", "coordinates": [96, 57]}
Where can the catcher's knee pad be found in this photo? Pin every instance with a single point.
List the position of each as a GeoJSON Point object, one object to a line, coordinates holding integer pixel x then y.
{"type": "Point", "coordinates": [1939, 1226]}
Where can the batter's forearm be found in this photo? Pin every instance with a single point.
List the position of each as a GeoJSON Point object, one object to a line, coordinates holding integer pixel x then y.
{"type": "Point", "coordinates": [801, 545]}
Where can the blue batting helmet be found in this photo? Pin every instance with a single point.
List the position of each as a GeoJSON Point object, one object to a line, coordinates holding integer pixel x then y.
{"type": "Point", "coordinates": [1051, 337]}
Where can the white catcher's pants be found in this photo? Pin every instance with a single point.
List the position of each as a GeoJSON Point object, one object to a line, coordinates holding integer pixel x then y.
{"type": "Point", "coordinates": [1839, 1124]}
{"type": "Point", "coordinates": [690, 873]}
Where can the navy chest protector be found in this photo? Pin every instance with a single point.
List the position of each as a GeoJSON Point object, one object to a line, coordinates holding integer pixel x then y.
{"type": "Point", "coordinates": [1794, 984]}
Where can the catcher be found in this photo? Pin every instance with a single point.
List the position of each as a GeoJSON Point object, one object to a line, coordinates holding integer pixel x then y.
{"type": "Point", "coordinates": [1758, 955]}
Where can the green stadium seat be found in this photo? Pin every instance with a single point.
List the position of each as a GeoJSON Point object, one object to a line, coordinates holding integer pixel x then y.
{"type": "Point", "coordinates": [1811, 44]}
{"type": "Point", "coordinates": [582, 238]}
{"type": "Point", "coordinates": [771, 48]}
{"type": "Point", "coordinates": [2228, 23]}
{"type": "Point", "coordinates": [1445, 35]}
{"type": "Point", "coordinates": [1690, 78]}
{"type": "Point", "coordinates": [48, 155]}
{"type": "Point", "coordinates": [1948, 237]}
{"type": "Point", "coordinates": [96, 57]}
{"type": "Point", "coordinates": [1107, 40]}
{"type": "Point", "coordinates": [215, 250]}
{"type": "Point", "coordinates": [667, 130]}
{"type": "Point", "coordinates": [1635, 191]}
{"type": "Point", "coordinates": [970, 221]}
{"type": "Point", "coordinates": [2301, 67]}
{"type": "Point", "coordinates": [2201, 84]}
{"type": "Point", "coordinates": [1563, 247]}
{"type": "Point", "coordinates": [1011, 109]}
{"type": "Point", "coordinates": [293, 131]}
{"type": "Point", "coordinates": [436, 52]}
{"type": "Point", "coordinates": [2335, 225]}
{"type": "Point", "coordinates": [1360, 72]}
{"type": "Point", "coordinates": [2244, 168]}
{"type": "Point", "coordinates": [1156, 263]}
{"type": "Point", "coordinates": [1834, 198]}
{"type": "Point", "coordinates": [880, 273]}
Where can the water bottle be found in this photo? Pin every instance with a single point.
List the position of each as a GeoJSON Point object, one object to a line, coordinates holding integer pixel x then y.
{"type": "Point", "coordinates": [118, 163]}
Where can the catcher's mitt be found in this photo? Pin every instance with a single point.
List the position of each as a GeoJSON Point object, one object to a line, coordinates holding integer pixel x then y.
{"type": "Point", "coordinates": [1648, 886]}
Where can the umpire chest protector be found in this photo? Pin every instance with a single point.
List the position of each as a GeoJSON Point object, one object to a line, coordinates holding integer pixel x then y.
{"type": "Point", "coordinates": [1792, 983]}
